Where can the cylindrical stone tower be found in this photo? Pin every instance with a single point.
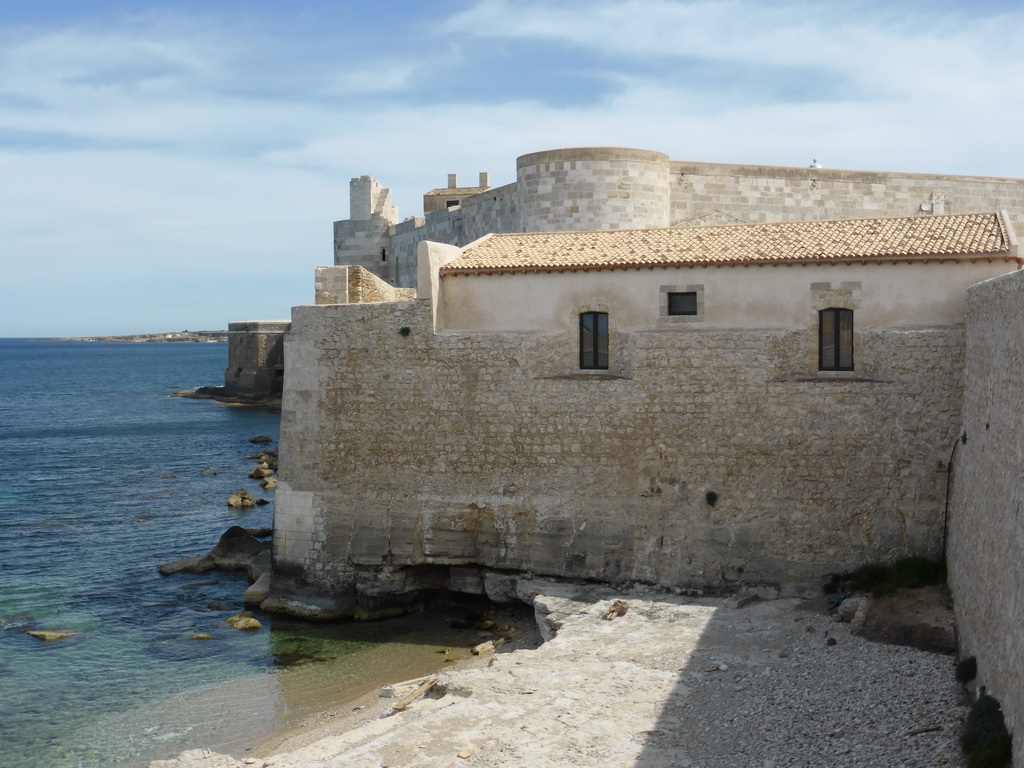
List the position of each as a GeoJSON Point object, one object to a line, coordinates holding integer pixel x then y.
{"type": "Point", "coordinates": [593, 188]}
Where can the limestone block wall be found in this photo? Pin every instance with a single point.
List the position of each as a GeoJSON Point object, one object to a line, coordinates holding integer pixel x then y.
{"type": "Point", "coordinates": [491, 449]}
{"type": "Point", "coordinates": [255, 358]}
{"type": "Point", "coordinates": [366, 243]}
{"type": "Point", "coordinates": [986, 526]}
{"type": "Point", "coordinates": [706, 193]}
{"type": "Point", "coordinates": [593, 188]}
{"type": "Point", "coordinates": [495, 210]}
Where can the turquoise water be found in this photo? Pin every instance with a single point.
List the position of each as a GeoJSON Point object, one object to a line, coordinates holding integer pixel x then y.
{"type": "Point", "coordinates": [88, 436]}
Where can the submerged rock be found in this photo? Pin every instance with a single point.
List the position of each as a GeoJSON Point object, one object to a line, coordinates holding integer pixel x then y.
{"type": "Point", "coordinates": [243, 623]}
{"type": "Point", "coordinates": [261, 440]}
{"type": "Point", "coordinates": [203, 564]}
{"type": "Point", "coordinates": [50, 635]}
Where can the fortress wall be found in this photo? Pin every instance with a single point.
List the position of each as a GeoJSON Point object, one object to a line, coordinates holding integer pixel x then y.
{"type": "Point", "coordinates": [593, 188]}
{"type": "Point", "coordinates": [255, 358]}
{"type": "Point", "coordinates": [495, 210]}
{"type": "Point", "coordinates": [363, 242]}
{"type": "Point", "coordinates": [705, 193]}
{"type": "Point", "coordinates": [986, 527]}
{"type": "Point", "coordinates": [491, 449]}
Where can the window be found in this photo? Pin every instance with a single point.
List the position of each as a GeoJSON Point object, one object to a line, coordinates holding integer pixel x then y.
{"type": "Point", "coordinates": [835, 339]}
{"type": "Point", "coordinates": [682, 303]}
{"type": "Point", "coordinates": [594, 340]}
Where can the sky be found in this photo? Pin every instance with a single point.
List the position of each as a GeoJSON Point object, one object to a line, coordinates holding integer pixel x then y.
{"type": "Point", "coordinates": [174, 166]}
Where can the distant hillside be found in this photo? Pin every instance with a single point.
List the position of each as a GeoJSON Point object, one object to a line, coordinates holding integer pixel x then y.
{"type": "Point", "coordinates": [157, 338]}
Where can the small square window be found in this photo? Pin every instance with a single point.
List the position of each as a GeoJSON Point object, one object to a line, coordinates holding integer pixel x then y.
{"type": "Point", "coordinates": [682, 303]}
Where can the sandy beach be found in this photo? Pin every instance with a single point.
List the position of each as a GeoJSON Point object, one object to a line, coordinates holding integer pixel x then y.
{"type": "Point", "coordinates": [673, 681]}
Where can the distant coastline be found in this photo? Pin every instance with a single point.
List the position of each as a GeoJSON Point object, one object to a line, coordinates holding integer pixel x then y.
{"type": "Point", "coordinates": [200, 337]}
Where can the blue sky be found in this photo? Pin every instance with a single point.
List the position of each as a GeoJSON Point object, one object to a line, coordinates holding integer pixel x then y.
{"type": "Point", "coordinates": [178, 165]}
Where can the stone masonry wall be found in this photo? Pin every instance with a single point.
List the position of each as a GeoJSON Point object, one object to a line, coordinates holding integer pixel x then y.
{"type": "Point", "coordinates": [705, 193]}
{"type": "Point", "coordinates": [593, 188]}
{"type": "Point", "coordinates": [255, 358]}
{"type": "Point", "coordinates": [986, 526]}
{"type": "Point", "coordinates": [456, 452]}
{"type": "Point", "coordinates": [364, 287]}
{"type": "Point", "coordinates": [495, 210]}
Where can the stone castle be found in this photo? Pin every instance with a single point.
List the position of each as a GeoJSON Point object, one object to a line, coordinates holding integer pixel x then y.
{"type": "Point", "coordinates": [622, 367]}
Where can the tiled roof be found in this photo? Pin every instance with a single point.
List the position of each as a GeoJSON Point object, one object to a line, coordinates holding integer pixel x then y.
{"type": "Point", "coordinates": [457, 191]}
{"type": "Point", "coordinates": [940, 237]}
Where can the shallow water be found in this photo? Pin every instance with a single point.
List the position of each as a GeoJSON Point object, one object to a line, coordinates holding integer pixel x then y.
{"type": "Point", "coordinates": [107, 477]}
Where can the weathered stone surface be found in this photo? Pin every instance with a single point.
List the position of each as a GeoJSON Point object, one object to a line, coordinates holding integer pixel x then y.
{"type": "Point", "coordinates": [52, 635]}
{"type": "Point", "coordinates": [200, 564]}
{"type": "Point", "coordinates": [921, 618]}
{"type": "Point", "coordinates": [236, 549]}
{"type": "Point", "coordinates": [500, 466]}
{"type": "Point", "coordinates": [259, 564]}
{"type": "Point", "coordinates": [241, 499]}
{"type": "Point", "coordinates": [258, 591]}
{"type": "Point", "coordinates": [986, 524]}
{"type": "Point", "coordinates": [674, 682]}
{"type": "Point", "coordinates": [243, 623]}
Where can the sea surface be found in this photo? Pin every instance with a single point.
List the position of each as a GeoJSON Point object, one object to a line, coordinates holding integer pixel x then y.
{"type": "Point", "coordinates": [104, 477]}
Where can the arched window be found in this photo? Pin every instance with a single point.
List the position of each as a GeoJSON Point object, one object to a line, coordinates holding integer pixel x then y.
{"type": "Point", "coordinates": [835, 339]}
{"type": "Point", "coordinates": [594, 340]}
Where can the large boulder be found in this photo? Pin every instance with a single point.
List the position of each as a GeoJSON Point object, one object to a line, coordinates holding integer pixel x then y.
{"type": "Point", "coordinates": [241, 499]}
{"type": "Point", "coordinates": [236, 549]}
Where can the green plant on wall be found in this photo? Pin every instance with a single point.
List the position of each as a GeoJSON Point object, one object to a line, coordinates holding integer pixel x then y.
{"type": "Point", "coordinates": [405, 330]}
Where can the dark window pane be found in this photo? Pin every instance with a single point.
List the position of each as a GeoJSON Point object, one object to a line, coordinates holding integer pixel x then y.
{"type": "Point", "coordinates": [594, 340]}
{"type": "Point", "coordinates": [827, 335]}
{"type": "Point", "coordinates": [682, 303]}
{"type": "Point", "coordinates": [845, 339]}
{"type": "Point", "coordinates": [835, 339]}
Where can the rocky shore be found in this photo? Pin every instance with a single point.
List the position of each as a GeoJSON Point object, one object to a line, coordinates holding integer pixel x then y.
{"type": "Point", "coordinates": [655, 680]}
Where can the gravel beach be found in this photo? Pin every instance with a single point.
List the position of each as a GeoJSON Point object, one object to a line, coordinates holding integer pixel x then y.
{"type": "Point", "coordinates": [674, 681]}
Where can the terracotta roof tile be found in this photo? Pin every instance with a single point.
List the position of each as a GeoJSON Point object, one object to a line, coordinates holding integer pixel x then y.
{"type": "Point", "coordinates": [943, 236]}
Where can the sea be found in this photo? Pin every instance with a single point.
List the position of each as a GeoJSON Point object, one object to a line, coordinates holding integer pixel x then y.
{"type": "Point", "coordinates": [104, 475]}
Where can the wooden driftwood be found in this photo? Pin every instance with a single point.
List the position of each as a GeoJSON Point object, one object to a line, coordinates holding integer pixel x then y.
{"type": "Point", "coordinates": [416, 694]}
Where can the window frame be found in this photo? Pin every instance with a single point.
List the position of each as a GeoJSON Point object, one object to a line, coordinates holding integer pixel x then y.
{"type": "Point", "coordinates": [838, 345]}
{"type": "Point", "coordinates": [592, 347]}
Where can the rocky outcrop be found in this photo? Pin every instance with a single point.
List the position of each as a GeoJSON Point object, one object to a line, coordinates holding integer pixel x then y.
{"type": "Point", "coordinates": [235, 550]}
{"type": "Point", "coordinates": [241, 499]}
